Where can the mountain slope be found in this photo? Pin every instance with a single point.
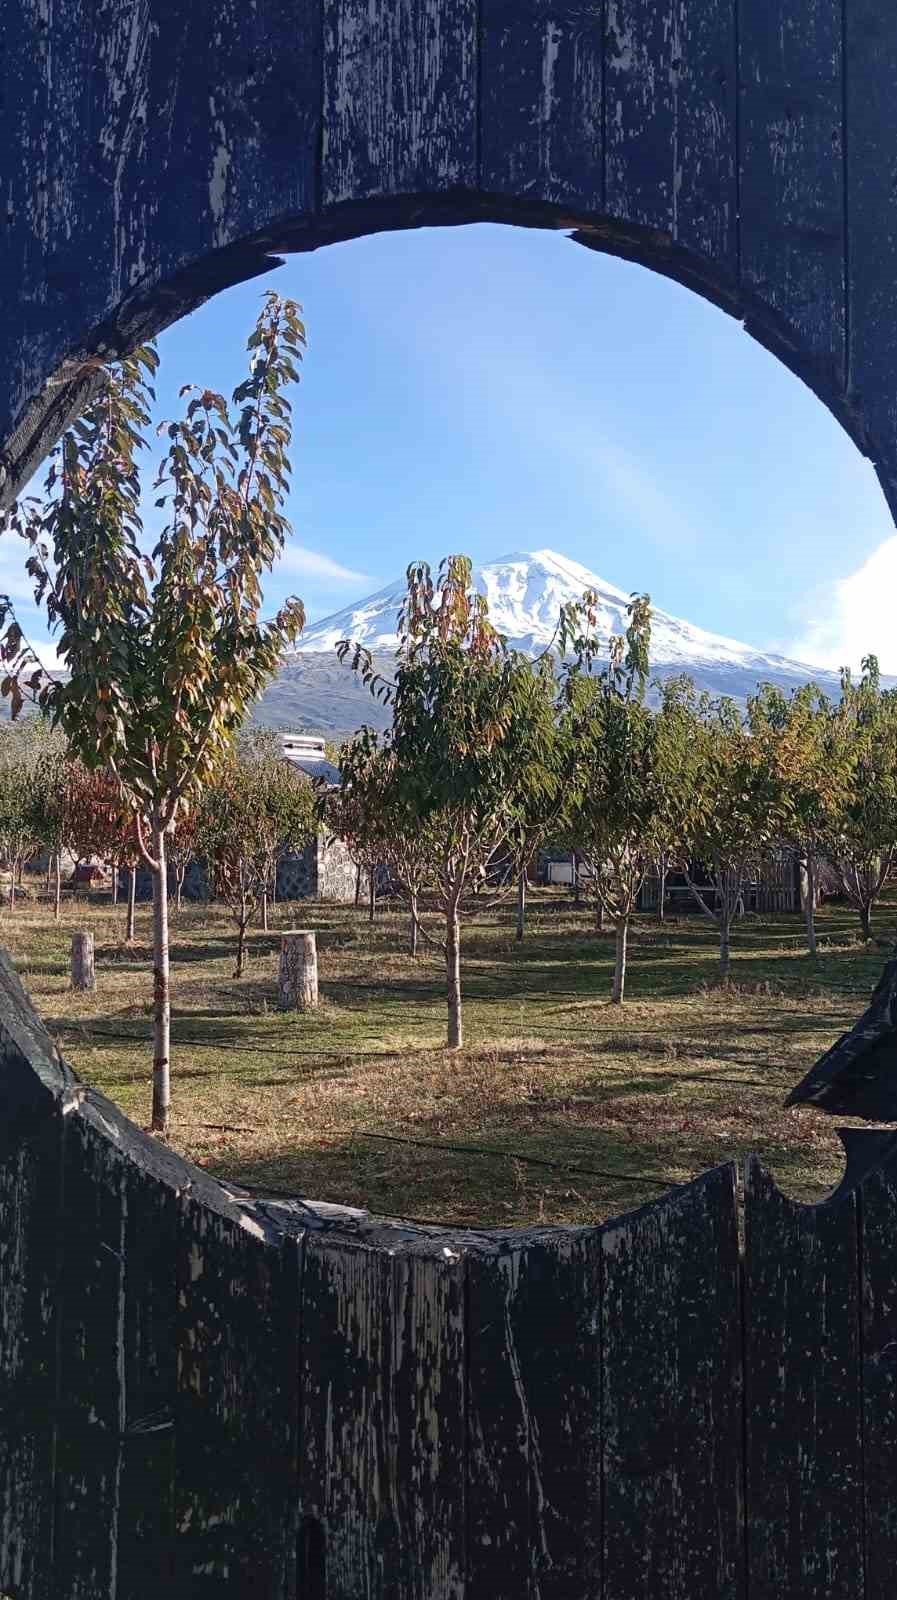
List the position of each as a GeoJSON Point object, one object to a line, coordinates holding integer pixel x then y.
{"type": "Point", "coordinates": [525, 592]}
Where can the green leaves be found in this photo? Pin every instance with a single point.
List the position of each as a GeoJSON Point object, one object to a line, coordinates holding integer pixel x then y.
{"type": "Point", "coordinates": [164, 655]}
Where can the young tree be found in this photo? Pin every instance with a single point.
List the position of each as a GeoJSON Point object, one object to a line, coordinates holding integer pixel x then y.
{"type": "Point", "coordinates": [862, 829]}
{"type": "Point", "coordinates": [731, 800]}
{"type": "Point", "coordinates": [21, 750]}
{"type": "Point", "coordinates": [164, 654]}
{"type": "Point", "coordinates": [50, 806]}
{"type": "Point", "coordinates": [617, 812]}
{"type": "Point", "coordinates": [370, 813]}
{"type": "Point", "coordinates": [803, 738]}
{"type": "Point", "coordinates": [257, 806]}
{"type": "Point", "coordinates": [97, 821]}
{"type": "Point", "coordinates": [182, 843]}
{"type": "Point", "coordinates": [472, 743]}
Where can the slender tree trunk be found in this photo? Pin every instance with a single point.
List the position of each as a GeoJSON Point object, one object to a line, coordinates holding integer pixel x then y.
{"type": "Point", "coordinates": [599, 915]}
{"type": "Point", "coordinates": [865, 911]}
{"type": "Point", "coordinates": [49, 876]}
{"type": "Point", "coordinates": [241, 941]}
{"type": "Point", "coordinates": [453, 979]}
{"type": "Point", "coordinates": [810, 903]}
{"type": "Point", "coordinates": [372, 894]}
{"type": "Point", "coordinates": [521, 904]}
{"type": "Point", "coordinates": [413, 931]}
{"type": "Point", "coordinates": [725, 927]}
{"type": "Point", "coordinates": [265, 910]}
{"type": "Point", "coordinates": [161, 987]}
{"type": "Point", "coordinates": [622, 932]}
{"type": "Point", "coordinates": [12, 885]}
{"type": "Point", "coordinates": [662, 890]}
{"type": "Point", "coordinates": [115, 883]}
{"type": "Point", "coordinates": [358, 886]}
{"type": "Point", "coordinates": [180, 875]}
{"type": "Point", "coordinates": [576, 888]}
{"type": "Point", "coordinates": [57, 898]}
{"type": "Point", "coordinates": [132, 905]}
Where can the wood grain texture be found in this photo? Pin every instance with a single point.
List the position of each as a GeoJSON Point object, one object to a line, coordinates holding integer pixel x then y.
{"type": "Point", "coordinates": [29, 1239]}
{"type": "Point", "coordinates": [89, 1451]}
{"type": "Point", "coordinates": [670, 120]}
{"type": "Point", "coordinates": [793, 247]}
{"type": "Point", "coordinates": [235, 1426]}
{"type": "Point", "coordinates": [146, 1502]}
{"type": "Point", "coordinates": [400, 98]}
{"type": "Point", "coordinates": [381, 1475]}
{"type": "Point", "coordinates": [541, 100]}
{"type": "Point", "coordinates": [673, 1514]}
{"type": "Point", "coordinates": [878, 1205]}
{"type": "Point", "coordinates": [533, 1404]}
{"type": "Point", "coordinates": [871, 95]}
{"type": "Point", "coordinates": [802, 1373]}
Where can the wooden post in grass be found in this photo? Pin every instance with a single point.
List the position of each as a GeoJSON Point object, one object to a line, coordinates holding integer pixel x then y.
{"type": "Point", "coordinates": [83, 971]}
{"type": "Point", "coordinates": [298, 976]}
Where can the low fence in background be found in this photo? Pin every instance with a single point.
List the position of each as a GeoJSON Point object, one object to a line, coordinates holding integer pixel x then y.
{"type": "Point", "coordinates": [204, 1393]}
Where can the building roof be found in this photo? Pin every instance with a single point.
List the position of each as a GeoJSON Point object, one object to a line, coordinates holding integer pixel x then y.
{"type": "Point", "coordinates": [319, 769]}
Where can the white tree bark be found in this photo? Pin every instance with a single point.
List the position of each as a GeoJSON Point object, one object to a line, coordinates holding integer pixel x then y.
{"type": "Point", "coordinates": [83, 970]}
{"type": "Point", "coordinates": [298, 975]}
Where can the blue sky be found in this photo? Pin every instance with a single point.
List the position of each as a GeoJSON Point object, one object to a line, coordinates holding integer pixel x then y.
{"type": "Point", "coordinates": [491, 389]}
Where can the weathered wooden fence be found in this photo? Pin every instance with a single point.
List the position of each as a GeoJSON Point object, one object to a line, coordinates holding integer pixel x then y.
{"type": "Point", "coordinates": [205, 1393]}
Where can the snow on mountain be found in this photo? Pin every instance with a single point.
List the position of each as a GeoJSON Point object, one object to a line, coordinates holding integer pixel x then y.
{"type": "Point", "coordinates": [525, 592]}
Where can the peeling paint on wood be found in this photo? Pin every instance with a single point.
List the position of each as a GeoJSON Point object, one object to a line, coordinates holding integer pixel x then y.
{"type": "Point", "coordinates": [878, 1207]}
{"type": "Point", "coordinates": [793, 246]}
{"type": "Point", "coordinates": [672, 1397]}
{"type": "Point", "coordinates": [400, 106]}
{"type": "Point", "coordinates": [381, 1473]}
{"type": "Point", "coordinates": [236, 1345]}
{"type": "Point", "coordinates": [29, 1209]}
{"type": "Point", "coordinates": [533, 1404]}
{"type": "Point", "coordinates": [542, 113]}
{"type": "Point", "coordinates": [152, 153]}
{"type": "Point", "coordinates": [870, 99]}
{"type": "Point", "coordinates": [204, 1393]}
{"type": "Point", "coordinates": [670, 119]}
{"type": "Point", "coordinates": [804, 1458]}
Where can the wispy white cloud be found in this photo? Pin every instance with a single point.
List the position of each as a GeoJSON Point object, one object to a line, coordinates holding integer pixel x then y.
{"type": "Point", "coordinates": [853, 616]}
{"type": "Point", "coordinates": [301, 562]}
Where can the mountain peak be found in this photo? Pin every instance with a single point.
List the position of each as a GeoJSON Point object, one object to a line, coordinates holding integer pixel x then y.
{"type": "Point", "coordinates": [525, 591]}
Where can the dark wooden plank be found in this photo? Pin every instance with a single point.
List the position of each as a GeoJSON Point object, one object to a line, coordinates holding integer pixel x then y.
{"type": "Point", "coordinates": [146, 1503]}
{"type": "Point", "coordinates": [235, 1422]}
{"type": "Point", "coordinates": [533, 1403]}
{"type": "Point", "coordinates": [878, 1207]}
{"type": "Point", "coordinates": [344, 1474]}
{"type": "Point", "coordinates": [670, 122]}
{"type": "Point", "coordinates": [802, 1373]}
{"type": "Point", "coordinates": [541, 100]}
{"type": "Point", "coordinates": [381, 1478]}
{"type": "Point", "coordinates": [792, 179]}
{"type": "Point", "coordinates": [400, 97]}
{"type": "Point", "coordinates": [29, 1303]}
{"type": "Point", "coordinates": [672, 1397]}
{"type": "Point", "coordinates": [871, 76]}
{"type": "Point", "coordinates": [91, 1395]}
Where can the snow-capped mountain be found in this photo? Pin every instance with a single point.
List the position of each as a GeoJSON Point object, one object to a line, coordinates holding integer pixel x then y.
{"type": "Point", "coordinates": [525, 592]}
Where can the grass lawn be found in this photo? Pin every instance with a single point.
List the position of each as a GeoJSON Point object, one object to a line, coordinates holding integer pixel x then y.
{"type": "Point", "coordinates": [578, 1109]}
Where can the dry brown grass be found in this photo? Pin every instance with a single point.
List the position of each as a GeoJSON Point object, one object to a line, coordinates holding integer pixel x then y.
{"type": "Point", "coordinates": [569, 1109]}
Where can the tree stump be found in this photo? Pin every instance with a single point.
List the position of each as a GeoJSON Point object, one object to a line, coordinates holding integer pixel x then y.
{"type": "Point", "coordinates": [298, 976]}
{"type": "Point", "coordinates": [83, 970]}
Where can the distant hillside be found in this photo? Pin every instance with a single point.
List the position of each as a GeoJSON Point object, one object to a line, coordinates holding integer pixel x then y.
{"type": "Point", "coordinates": [525, 592]}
